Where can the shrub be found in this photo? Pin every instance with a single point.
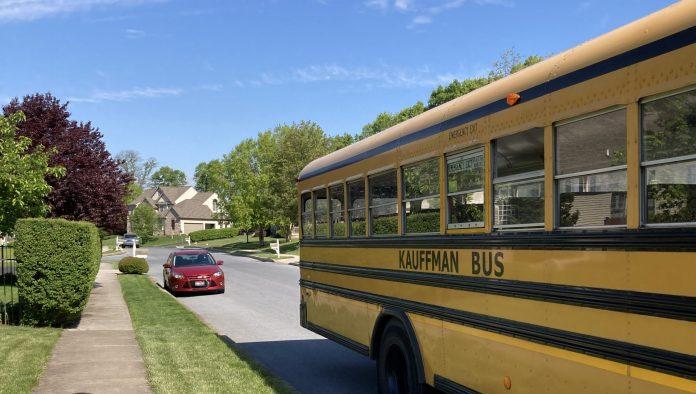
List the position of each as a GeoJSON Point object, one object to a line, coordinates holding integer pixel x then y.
{"type": "Point", "coordinates": [385, 225]}
{"type": "Point", "coordinates": [133, 265]}
{"type": "Point", "coordinates": [57, 261]}
{"type": "Point", "coordinates": [423, 222]}
{"type": "Point", "coordinates": [214, 233]}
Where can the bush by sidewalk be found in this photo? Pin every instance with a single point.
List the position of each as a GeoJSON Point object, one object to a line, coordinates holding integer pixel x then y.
{"type": "Point", "coordinates": [215, 233]}
{"type": "Point", "coordinates": [57, 262]}
{"type": "Point", "coordinates": [133, 265]}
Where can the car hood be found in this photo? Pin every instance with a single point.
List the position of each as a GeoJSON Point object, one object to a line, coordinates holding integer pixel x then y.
{"type": "Point", "coordinates": [197, 270]}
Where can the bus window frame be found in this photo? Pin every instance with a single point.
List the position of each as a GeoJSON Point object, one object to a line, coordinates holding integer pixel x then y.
{"type": "Point", "coordinates": [644, 165]}
{"type": "Point", "coordinates": [516, 179]}
{"type": "Point", "coordinates": [370, 229]}
{"type": "Point", "coordinates": [342, 210]}
{"type": "Point", "coordinates": [605, 170]}
{"type": "Point", "coordinates": [404, 200]}
{"type": "Point", "coordinates": [468, 226]}
{"type": "Point", "coordinates": [349, 228]}
{"type": "Point", "coordinates": [303, 212]}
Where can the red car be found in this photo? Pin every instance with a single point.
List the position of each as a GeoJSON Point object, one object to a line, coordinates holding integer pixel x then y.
{"type": "Point", "coordinates": [192, 271]}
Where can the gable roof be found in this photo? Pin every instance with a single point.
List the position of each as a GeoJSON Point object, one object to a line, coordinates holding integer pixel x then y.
{"type": "Point", "coordinates": [171, 193]}
{"type": "Point", "coordinates": [146, 195]}
{"type": "Point", "coordinates": [193, 209]}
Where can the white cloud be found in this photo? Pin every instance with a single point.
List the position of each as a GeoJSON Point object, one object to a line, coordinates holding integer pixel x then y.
{"type": "Point", "coordinates": [422, 20]}
{"type": "Point", "coordinates": [27, 10]}
{"type": "Point", "coordinates": [426, 11]}
{"type": "Point", "coordinates": [403, 5]}
{"type": "Point", "coordinates": [126, 95]}
{"type": "Point", "coordinates": [134, 33]}
{"type": "Point", "coordinates": [382, 76]}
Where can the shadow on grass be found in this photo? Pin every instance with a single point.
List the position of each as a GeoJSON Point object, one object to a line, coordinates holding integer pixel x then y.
{"type": "Point", "coordinates": [268, 378]}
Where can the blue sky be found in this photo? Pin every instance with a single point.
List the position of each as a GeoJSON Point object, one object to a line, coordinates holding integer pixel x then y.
{"type": "Point", "coordinates": [185, 80]}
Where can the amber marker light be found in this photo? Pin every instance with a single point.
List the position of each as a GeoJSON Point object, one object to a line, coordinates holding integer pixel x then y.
{"type": "Point", "coordinates": [512, 98]}
{"type": "Point", "coordinates": [507, 382]}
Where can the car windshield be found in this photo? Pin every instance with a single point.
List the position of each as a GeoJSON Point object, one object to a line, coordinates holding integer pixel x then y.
{"type": "Point", "coordinates": [130, 236]}
{"type": "Point", "coordinates": [190, 260]}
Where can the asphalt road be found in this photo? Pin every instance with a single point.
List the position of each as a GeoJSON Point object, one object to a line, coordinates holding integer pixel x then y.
{"type": "Point", "coordinates": [260, 313]}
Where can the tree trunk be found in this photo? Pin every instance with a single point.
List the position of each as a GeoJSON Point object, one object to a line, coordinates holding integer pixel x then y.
{"type": "Point", "coordinates": [261, 235]}
{"type": "Point", "coordinates": [247, 234]}
{"type": "Point", "coordinates": [288, 232]}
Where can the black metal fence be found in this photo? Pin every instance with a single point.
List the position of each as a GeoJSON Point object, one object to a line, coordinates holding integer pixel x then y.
{"type": "Point", "coordinates": [9, 299]}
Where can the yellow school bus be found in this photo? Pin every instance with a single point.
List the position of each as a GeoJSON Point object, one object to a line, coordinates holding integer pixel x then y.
{"type": "Point", "coordinates": [535, 235]}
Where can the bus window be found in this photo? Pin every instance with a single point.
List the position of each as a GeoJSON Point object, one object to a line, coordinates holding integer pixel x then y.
{"type": "Point", "coordinates": [321, 213]}
{"type": "Point", "coordinates": [591, 171]}
{"type": "Point", "coordinates": [518, 183]}
{"type": "Point", "coordinates": [307, 221]}
{"type": "Point", "coordinates": [421, 200]}
{"type": "Point", "coordinates": [338, 222]}
{"type": "Point", "coordinates": [465, 197]}
{"type": "Point", "coordinates": [356, 208]}
{"type": "Point", "coordinates": [383, 204]}
{"type": "Point", "coordinates": [669, 158]}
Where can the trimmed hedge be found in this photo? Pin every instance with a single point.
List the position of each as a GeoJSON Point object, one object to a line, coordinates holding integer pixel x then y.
{"type": "Point", "coordinates": [133, 265]}
{"type": "Point", "coordinates": [57, 262]}
{"type": "Point", "coordinates": [214, 233]}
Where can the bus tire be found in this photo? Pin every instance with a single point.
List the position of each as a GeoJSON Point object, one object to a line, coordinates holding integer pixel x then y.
{"type": "Point", "coordinates": [396, 364]}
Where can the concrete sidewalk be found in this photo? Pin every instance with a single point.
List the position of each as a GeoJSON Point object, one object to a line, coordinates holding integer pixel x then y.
{"type": "Point", "coordinates": [101, 354]}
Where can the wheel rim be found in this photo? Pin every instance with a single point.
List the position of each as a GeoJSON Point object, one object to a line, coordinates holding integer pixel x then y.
{"type": "Point", "coordinates": [396, 371]}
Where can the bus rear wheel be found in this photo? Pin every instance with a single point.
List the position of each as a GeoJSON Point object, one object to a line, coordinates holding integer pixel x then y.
{"type": "Point", "coordinates": [396, 365]}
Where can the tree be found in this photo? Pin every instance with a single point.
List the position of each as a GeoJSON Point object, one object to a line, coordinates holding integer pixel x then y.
{"type": "Point", "coordinates": [246, 198]}
{"type": "Point", "coordinates": [144, 222]}
{"type": "Point", "coordinates": [294, 146]}
{"type": "Point", "coordinates": [23, 186]}
{"type": "Point", "coordinates": [167, 176]}
{"type": "Point", "coordinates": [94, 187]}
{"type": "Point", "coordinates": [456, 88]}
{"type": "Point", "coordinates": [386, 120]}
{"type": "Point", "coordinates": [209, 176]}
{"type": "Point", "coordinates": [140, 170]}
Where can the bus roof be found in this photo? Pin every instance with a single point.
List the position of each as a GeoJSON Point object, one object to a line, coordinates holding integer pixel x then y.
{"type": "Point", "coordinates": [670, 28]}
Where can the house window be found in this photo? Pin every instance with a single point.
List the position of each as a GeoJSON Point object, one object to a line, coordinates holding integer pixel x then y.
{"type": "Point", "coordinates": [173, 224]}
{"type": "Point", "coordinates": [465, 197]}
{"type": "Point", "coordinates": [215, 205]}
{"type": "Point", "coordinates": [209, 226]}
{"type": "Point", "coordinates": [518, 180]}
{"type": "Point", "coordinates": [307, 216]}
{"type": "Point", "coordinates": [591, 170]}
{"type": "Point", "coordinates": [383, 204]}
{"type": "Point", "coordinates": [321, 213]}
{"type": "Point", "coordinates": [421, 199]}
{"type": "Point", "coordinates": [338, 222]}
{"type": "Point", "coordinates": [669, 158]}
{"type": "Point", "coordinates": [356, 208]}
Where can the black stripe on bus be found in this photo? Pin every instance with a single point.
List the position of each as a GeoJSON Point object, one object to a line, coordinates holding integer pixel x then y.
{"type": "Point", "coordinates": [641, 303]}
{"type": "Point", "coordinates": [669, 362]}
{"type": "Point", "coordinates": [450, 387]}
{"type": "Point", "coordinates": [648, 51]}
{"type": "Point", "coordinates": [643, 239]}
{"type": "Point", "coordinates": [338, 338]}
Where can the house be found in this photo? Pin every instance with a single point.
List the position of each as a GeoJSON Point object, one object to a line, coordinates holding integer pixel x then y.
{"type": "Point", "coordinates": [181, 209]}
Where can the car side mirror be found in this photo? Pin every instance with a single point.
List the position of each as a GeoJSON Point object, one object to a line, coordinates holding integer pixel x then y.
{"type": "Point", "coordinates": [167, 265]}
{"type": "Point", "coordinates": [219, 262]}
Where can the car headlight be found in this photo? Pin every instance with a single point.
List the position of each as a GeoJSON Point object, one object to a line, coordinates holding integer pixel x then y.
{"type": "Point", "coordinates": [217, 274]}
{"type": "Point", "coordinates": [178, 276]}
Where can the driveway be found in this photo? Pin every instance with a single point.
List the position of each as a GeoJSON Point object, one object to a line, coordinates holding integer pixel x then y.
{"type": "Point", "coordinates": [260, 313]}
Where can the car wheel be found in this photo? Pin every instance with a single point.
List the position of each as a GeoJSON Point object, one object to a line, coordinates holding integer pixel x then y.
{"type": "Point", "coordinates": [396, 364]}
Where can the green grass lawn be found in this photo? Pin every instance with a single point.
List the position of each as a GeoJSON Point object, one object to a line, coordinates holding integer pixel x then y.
{"type": "Point", "coordinates": [167, 241]}
{"type": "Point", "coordinates": [239, 246]}
{"type": "Point", "coordinates": [24, 353]}
{"type": "Point", "coordinates": [181, 353]}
